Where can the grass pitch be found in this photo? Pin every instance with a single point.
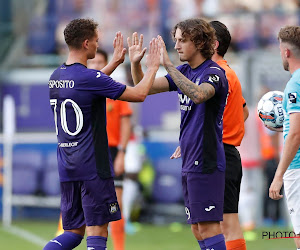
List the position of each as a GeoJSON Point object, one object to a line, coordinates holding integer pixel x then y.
{"type": "Point", "coordinates": [31, 235]}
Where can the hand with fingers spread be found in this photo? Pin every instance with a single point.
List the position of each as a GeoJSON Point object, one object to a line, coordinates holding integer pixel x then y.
{"type": "Point", "coordinates": [176, 154]}
{"type": "Point", "coordinates": [135, 47]}
{"type": "Point", "coordinates": [164, 57]}
{"type": "Point", "coordinates": [119, 50]}
{"type": "Point", "coordinates": [274, 190]}
{"type": "Point", "coordinates": [153, 56]}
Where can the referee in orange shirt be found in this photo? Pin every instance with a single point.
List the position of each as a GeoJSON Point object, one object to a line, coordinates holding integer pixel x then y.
{"type": "Point", "coordinates": [235, 114]}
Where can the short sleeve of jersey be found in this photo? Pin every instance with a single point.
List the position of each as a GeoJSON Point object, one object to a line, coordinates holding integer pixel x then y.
{"type": "Point", "coordinates": [214, 76]}
{"type": "Point", "coordinates": [172, 85]}
{"type": "Point", "coordinates": [102, 85]}
{"type": "Point", "coordinates": [125, 108]}
{"type": "Point", "coordinates": [293, 97]}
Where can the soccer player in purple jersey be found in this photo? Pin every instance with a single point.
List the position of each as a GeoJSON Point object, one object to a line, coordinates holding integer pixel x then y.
{"type": "Point", "coordinates": [78, 100]}
{"type": "Point", "coordinates": [202, 91]}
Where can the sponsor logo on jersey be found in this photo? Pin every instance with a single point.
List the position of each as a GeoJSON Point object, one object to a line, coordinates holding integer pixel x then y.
{"type": "Point", "coordinates": [184, 100]}
{"type": "Point", "coordinates": [98, 74]}
{"type": "Point", "coordinates": [197, 81]}
{"type": "Point", "coordinates": [113, 208]}
{"type": "Point", "coordinates": [213, 78]}
{"type": "Point", "coordinates": [292, 97]}
{"type": "Point", "coordinates": [68, 144]}
{"type": "Point", "coordinates": [208, 209]}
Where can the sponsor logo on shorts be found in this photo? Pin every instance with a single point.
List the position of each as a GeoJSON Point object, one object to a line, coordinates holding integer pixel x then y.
{"type": "Point", "coordinates": [91, 248]}
{"type": "Point", "coordinates": [291, 210]}
{"type": "Point", "coordinates": [57, 242]}
{"type": "Point", "coordinates": [208, 209]}
{"type": "Point", "coordinates": [113, 208]}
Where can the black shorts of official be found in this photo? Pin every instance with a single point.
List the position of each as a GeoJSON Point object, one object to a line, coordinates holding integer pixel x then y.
{"type": "Point", "coordinates": [233, 178]}
{"type": "Point", "coordinates": [117, 179]}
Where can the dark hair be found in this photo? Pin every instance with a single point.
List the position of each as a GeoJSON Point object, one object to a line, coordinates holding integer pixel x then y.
{"type": "Point", "coordinates": [103, 53]}
{"type": "Point", "coordinates": [291, 35]}
{"type": "Point", "coordinates": [223, 37]}
{"type": "Point", "coordinates": [200, 33]}
{"type": "Point", "coordinates": [79, 30]}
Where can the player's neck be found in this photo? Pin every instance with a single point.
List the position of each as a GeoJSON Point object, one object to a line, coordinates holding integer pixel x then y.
{"type": "Point", "coordinates": [76, 57]}
{"type": "Point", "coordinates": [197, 60]}
{"type": "Point", "coordinates": [294, 64]}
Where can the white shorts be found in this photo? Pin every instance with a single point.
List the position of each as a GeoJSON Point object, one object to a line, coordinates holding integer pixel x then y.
{"type": "Point", "coordinates": [291, 180]}
{"type": "Point", "coordinates": [133, 158]}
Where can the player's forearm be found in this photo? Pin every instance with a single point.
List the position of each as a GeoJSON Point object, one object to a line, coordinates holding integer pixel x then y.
{"type": "Point", "coordinates": [136, 72]}
{"type": "Point", "coordinates": [110, 67]}
{"type": "Point", "coordinates": [125, 131]}
{"type": "Point", "coordinates": [144, 86]}
{"type": "Point", "coordinates": [186, 86]}
{"type": "Point", "coordinates": [290, 149]}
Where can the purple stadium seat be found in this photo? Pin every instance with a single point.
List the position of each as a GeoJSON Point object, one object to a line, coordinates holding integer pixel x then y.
{"type": "Point", "coordinates": [26, 167]}
{"type": "Point", "coordinates": [50, 184]}
{"type": "Point", "coordinates": [167, 184]}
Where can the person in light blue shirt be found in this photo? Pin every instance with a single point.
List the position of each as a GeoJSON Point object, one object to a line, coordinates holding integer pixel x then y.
{"type": "Point", "coordinates": [288, 170]}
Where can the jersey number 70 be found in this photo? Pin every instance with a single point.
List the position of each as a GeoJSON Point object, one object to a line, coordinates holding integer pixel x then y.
{"type": "Point", "coordinates": [63, 116]}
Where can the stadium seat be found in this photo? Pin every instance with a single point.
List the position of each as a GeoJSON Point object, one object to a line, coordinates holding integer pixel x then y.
{"type": "Point", "coordinates": [50, 183]}
{"type": "Point", "coordinates": [167, 184]}
{"type": "Point", "coordinates": [27, 165]}
{"type": "Point", "coordinates": [41, 36]}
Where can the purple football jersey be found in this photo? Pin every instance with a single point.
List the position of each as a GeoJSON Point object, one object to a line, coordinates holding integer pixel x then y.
{"type": "Point", "coordinates": [201, 127]}
{"type": "Point", "coordinates": [78, 100]}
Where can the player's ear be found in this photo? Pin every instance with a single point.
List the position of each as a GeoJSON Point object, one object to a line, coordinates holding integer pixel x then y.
{"type": "Point", "coordinates": [216, 45]}
{"type": "Point", "coordinates": [287, 53]}
{"type": "Point", "coordinates": [85, 44]}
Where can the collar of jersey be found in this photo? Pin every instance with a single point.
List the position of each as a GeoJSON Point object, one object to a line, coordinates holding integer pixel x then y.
{"type": "Point", "coordinates": [67, 65]}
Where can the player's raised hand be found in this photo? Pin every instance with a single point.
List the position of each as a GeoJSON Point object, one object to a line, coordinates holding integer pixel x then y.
{"type": "Point", "coordinates": [176, 154]}
{"type": "Point", "coordinates": [274, 190]}
{"type": "Point", "coordinates": [153, 57]}
{"type": "Point", "coordinates": [164, 57]}
{"type": "Point", "coordinates": [119, 50]}
{"type": "Point", "coordinates": [135, 47]}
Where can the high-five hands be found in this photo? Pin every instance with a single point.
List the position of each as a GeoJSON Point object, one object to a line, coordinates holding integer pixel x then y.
{"type": "Point", "coordinates": [135, 47]}
{"type": "Point", "coordinates": [119, 50]}
{"type": "Point", "coordinates": [164, 59]}
{"type": "Point", "coordinates": [153, 57]}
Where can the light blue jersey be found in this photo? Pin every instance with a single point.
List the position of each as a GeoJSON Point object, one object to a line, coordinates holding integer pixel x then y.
{"type": "Point", "coordinates": [291, 104]}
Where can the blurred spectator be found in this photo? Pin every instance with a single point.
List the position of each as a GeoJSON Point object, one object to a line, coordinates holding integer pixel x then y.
{"type": "Point", "coordinates": [252, 189]}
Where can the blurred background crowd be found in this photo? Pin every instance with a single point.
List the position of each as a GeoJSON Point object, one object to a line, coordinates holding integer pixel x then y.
{"type": "Point", "coordinates": [32, 45]}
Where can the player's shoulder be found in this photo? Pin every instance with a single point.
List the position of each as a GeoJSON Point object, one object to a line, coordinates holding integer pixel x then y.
{"type": "Point", "coordinates": [213, 68]}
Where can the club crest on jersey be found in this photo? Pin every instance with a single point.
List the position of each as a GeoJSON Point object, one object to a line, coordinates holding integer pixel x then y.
{"type": "Point", "coordinates": [113, 208]}
{"type": "Point", "coordinates": [197, 81]}
{"type": "Point", "coordinates": [292, 97]}
{"type": "Point", "coordinates": [214, 78]}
